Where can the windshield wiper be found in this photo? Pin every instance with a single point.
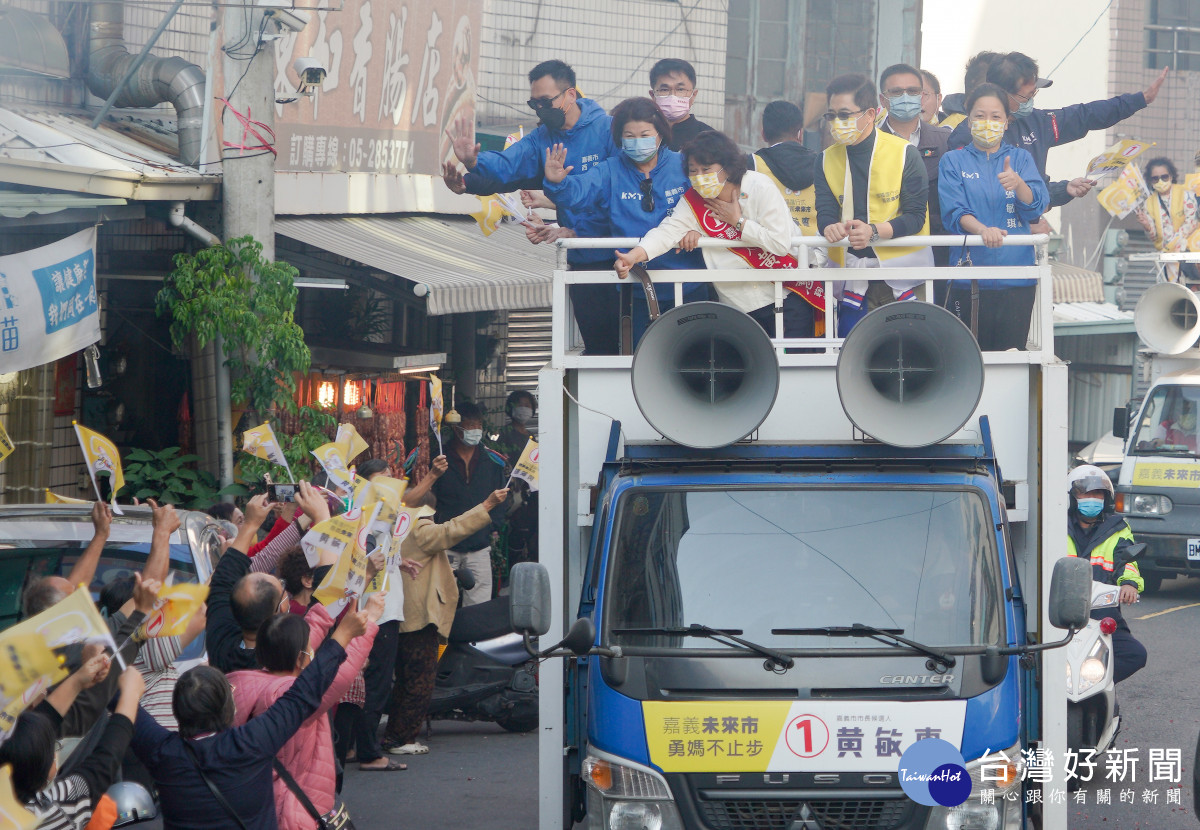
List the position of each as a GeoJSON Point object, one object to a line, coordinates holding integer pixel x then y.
{"type": "Point", "coordinates": [883, 635]}
{"type": "Point", "coordinates": [775, 660]}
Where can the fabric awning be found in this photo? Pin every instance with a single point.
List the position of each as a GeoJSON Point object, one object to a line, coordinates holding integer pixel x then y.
{"type": "Point", "coordinates": [462, 269]}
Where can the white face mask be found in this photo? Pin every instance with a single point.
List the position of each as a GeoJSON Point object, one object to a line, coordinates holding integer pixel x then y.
{"type": "Point", "coordinates": [471, 437]}
{"type": "Point", "coordinates": [521, 414]}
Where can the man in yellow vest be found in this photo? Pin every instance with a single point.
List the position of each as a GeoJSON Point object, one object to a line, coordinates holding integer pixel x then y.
{"type": "Point", "coordinates": [871, 186]}
{"type": "Point", "coordinates": [1095, 531]}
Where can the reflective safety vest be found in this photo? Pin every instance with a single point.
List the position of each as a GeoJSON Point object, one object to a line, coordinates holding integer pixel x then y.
{"type": "Point", "coordinates": [952, 120]}
{"type": "Point", "coordinates": [1102, 555]}
{"type": "Point", "coordinates": [883, 187]}
{"type": "Point", "coordinates": [801, 203]}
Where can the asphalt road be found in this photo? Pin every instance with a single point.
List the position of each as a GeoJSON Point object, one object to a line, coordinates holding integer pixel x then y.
{"type": "Point", "coordinates": [475, 775]}
{"type": "Point", "coordinates": [1160, 709]}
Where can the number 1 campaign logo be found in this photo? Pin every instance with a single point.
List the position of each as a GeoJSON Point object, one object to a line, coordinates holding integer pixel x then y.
{"type": "Point", "coordinates": [933, 773]}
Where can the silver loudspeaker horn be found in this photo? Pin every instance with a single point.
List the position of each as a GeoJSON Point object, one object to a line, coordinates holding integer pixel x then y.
{"type": "Point", "coordinates": [910, 374]}
{"type": "Point", "coordinates": [705, 375]}
{"type": "Point", "coordinates": [1168, 318]}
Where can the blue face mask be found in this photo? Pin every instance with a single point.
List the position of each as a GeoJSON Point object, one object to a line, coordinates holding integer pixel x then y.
{"type": "Point", "coordinates": [1026, 108]}
{"type": "Point", "coordinates": [640, 149]}
{"type": "Point", "coordinates": [1090, 508]}
{"type": "Point", "coordinates": [904, 107]}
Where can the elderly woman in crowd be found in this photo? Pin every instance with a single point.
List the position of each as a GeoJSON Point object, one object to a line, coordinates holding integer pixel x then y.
{"type": "Point", "coordinates": [1169, 215]}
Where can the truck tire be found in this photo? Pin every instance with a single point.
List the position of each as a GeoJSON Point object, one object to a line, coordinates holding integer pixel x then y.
{"type": "Point", "coordinates": [1153, 582]}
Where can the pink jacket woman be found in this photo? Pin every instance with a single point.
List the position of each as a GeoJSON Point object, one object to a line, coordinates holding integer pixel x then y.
{"type": "Point", "coordinates": [309, 755]}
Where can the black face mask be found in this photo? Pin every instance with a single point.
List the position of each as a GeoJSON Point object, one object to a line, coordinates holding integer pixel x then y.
{"type": "Point", "coordinates": [552, 118]}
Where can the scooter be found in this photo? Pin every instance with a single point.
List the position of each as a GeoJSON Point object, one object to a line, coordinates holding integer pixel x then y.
{"type": "Point", "coordinates": [1093, 718]}
{"type": "Point", "coordinates": [485, 673]}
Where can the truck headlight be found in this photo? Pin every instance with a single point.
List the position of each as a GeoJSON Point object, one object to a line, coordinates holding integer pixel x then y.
{"type": "Point", "coordinates": [1004, 779]}
{"type": "Point", "coordinates": [623, 795]}
{"type": "Point", "coordinates": [1144, 504]}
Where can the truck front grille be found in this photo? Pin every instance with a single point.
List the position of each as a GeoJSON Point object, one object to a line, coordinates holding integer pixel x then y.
{"type": "Point", "coordinates": [832, 815]}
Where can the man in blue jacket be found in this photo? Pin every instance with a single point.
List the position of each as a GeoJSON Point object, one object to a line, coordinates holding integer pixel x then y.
{"type": "Point", "coordinates": [582, 126]}
{"type": "Point", "coordinates": [1038, 130]}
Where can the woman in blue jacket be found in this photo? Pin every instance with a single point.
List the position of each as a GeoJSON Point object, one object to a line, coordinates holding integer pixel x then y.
{"type": "Point", "coordinates": [992, 189]}
{"type": "Point", "coordinates": [636, 189]}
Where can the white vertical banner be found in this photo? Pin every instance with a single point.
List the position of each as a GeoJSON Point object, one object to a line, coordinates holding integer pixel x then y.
{"type": "Point", "coordinates": [49, 302]}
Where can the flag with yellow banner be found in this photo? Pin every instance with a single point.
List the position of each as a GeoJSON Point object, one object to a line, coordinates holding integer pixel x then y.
{"type": "Point", "coordinates": [261, 442]}
{"type": "Point", "coordinates": [1128, 192]}
{"type": "Point", "coordinates": [1116, 157]}
{"type": "Point", "coordinates": [26, 661]}
{"type": "Point", "coordinates": [102, 457]}
{"type": "Point", "coordinates": [353, 445]}
{"type": "Point", "coordinates": [13, 815]}
{"type": "Point", "coordinates": [333, 461]}
{"type": "Point", "coordinates": [55, 498]}
{"type": "Point", "coordinates": [526, 468]}
{"type": "Point", "coordinates": [437, 409]}
{"type": "Point", "coordinates": [6, 444]}
{"type": "Point", "coordinates": [73, 619]}
{"type": "Point", "coordinates": [175, 608]}
{"type": "Point", "coordinates": [326, 540]}
{"type": "Point", "coordinates": [489, 215]}
{"type": "Point", "coordinates": [347, 579]}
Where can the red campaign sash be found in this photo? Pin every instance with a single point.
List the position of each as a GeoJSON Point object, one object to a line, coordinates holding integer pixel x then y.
{"type": "Point", "coordinates": [811, 291]}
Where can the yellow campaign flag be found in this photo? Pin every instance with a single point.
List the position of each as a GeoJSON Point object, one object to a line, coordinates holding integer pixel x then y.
{"type": "Point", "coordinates": [1116, 157]}
{"type": "Point", "coordinates": [527, 465]}
{"type": "Point", "coordinates": [102, 457]}
{"type": "Point", "coordinates": [437, 409]}
{"type": "Point", "coordinates": [176, 606]}
{"type": "Point", "coordinates": [25, 659]}
{"type": "Point", "coordinates": [262, 443]}
{"type": "Point", "coordinates": [347, 579]}
{"type": "Point", "coordinates": [353, 445]}
{"type": "Point", "coordinates": [489, 215]}
{"type": "Point", "coordinates": [1126, 193]}
{"type": "Point", "coordinates": [333, 462]}
{"type": "Point", "coordinates": [71, 620]}
{"type": "Point", "coordinates": [13, 815]}
{"type": "Point", "coordinates": [6, 444]}
{"type": "Point", "coordinates": [328, 539]}
{"type": "Point", "coordinates": [55, 498]}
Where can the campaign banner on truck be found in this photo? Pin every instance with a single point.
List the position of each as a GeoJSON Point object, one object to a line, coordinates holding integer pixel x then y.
{"type": "Point", "coordinates": [795, 736]}
{"type": "Point", "coordinates": [49, 306]}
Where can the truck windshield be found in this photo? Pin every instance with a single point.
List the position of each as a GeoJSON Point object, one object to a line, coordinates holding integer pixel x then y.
{"type": "Point", "coordinates": [921, 561]}
{"type": "Point", "coordinates": [1168, 421]}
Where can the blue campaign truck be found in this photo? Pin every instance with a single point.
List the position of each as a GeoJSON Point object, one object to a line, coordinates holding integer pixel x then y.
{"type": "Point", "coordinates": [773, 573]}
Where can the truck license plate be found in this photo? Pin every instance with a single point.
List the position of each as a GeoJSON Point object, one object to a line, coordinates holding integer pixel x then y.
{"type": "Point", "coordinates": [1193, 550]}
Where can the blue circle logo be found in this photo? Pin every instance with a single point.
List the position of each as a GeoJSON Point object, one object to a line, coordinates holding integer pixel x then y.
{"type": "Point", "coordinates": [933, 773]}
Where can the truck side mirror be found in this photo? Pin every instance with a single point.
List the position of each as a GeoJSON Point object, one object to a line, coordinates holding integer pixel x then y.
{"type": "Point", "coordinates": [1071, 593]}
{"type": "Point", "coordinates": [1121, 422]}
{"type": "Point", "coordinates": [529, 599]}
{"type": "Point", "coordinates": [580, 637]}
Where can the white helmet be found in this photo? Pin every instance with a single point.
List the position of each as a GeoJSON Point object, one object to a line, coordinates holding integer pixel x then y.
{"type": "Point", "coordinates": [1088, 477]}
{"type": "Point", "coordinates": [133, 801]}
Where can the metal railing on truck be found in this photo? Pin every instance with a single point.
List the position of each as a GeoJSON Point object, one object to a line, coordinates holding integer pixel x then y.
{"type": "Point", "coordinates": [566, 352]}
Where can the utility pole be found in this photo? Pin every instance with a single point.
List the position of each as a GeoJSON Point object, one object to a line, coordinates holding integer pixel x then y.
{"type": "Point", "coordinates": [248, 176]}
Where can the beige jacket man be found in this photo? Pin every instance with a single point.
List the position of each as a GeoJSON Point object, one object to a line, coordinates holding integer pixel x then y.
{"type": "Point", "coordinates": [433, 596]}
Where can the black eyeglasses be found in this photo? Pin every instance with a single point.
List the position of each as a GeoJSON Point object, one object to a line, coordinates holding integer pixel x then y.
{"type": "Point", "coordinates": [843, 115]}
{"type": "Point", "coordinates": [645, 186]}
{"type": "Point", "coordinates": [542, 103]}
{"type": "Point", "coordinates": [1165, 177]}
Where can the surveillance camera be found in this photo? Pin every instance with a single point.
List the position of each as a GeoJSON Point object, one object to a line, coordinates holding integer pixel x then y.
{"type": "Point", "coordinates": [311, 73]}
{"type": "Point", "coordinates": [287, 18]}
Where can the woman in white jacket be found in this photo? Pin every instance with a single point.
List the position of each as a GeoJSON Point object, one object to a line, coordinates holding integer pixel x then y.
{"type": "Point", "coordinates": [727, 201]}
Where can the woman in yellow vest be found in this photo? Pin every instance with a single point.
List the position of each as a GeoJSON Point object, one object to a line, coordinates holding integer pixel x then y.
{"type": "Point", "coordinates": [1169, 215]}
{"type": "Point", "coordinates": [870, 186]}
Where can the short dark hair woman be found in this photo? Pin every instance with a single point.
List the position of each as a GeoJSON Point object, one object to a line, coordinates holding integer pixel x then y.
{"type": "Point", "coordinates": [1169, 216]}
{"type": "Point", "coordinates": [636, 189]}
{"type": "Point", "coordinates": [236, 760]}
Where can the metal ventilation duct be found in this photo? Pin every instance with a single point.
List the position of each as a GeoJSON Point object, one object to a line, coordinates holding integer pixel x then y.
{"type": "Point", "coordinates": [30, 45]}
{"type": "Point", "coordinates": [157, 80]}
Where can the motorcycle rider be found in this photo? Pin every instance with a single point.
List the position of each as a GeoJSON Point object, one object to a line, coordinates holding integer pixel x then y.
{"type": "Point", "coordinates": [1096, 531]}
